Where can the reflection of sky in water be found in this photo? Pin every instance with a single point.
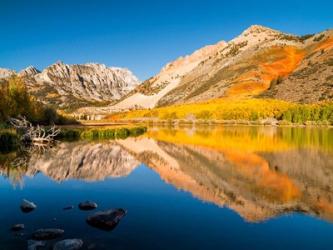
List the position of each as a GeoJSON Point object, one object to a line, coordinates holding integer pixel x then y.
{"type": "Point", "coordinates": [159, 217]}
{"type": "Point", "coordinates": [163, 216]}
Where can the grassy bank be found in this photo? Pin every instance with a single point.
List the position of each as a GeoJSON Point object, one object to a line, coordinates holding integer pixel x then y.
{"type": "Point", "coordinates": [99, 133]}
{"type": "Point", "coordinates": [255, 111]}
{"type": "Point", "coordinates": [9, 139]}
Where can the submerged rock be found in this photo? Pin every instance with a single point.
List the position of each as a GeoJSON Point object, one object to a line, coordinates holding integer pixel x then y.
{"type": "Point", "coordinates": [87, 205]}
{"type": "Point", "coordinates": [47, 234]}
{"type": "Point", "coordinates": [34, 245]}
{"type": "Point", "coordinates": [68, 244]}
{"type": "Point", "coordinates": [68, 208]}
{"type": "Point", "coordinates": [106, 220]}
{"type": "Point", "coordinates": [18, 234]}
{"type": "Point", "coordinates": [17, 227]}
{"type": "Point", "coordinates": [27, 206]}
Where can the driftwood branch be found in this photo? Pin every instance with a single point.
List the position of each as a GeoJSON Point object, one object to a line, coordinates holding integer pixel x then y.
{"type": "Point", "coordinates": [34, 134]}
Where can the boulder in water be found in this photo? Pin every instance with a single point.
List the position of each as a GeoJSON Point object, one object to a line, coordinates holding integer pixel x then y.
{"type": "Point", "coordinates": [47, 234]}
{"type": "Point", "coordinates": [68, 244]}
{"type": "Point", "coordinates": [34, 245]}
{"type": "Point", "coordinates": [106, 220]}
{"type": "Point", "coordinates": [68, 207]}
{"type": "Point", "coordinates": [27, 206]}
{"type": "Point", "coordinates": [87, 205]}
{"type": "Point", "coordinates": [17, 227]}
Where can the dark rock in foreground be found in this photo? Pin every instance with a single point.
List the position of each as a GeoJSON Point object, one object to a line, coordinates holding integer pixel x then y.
{"type": "Point", "coordinates": [68, 244]}
{"type": "Point", "coordinates": [27, 206]}
{"type": "Point", "coordinates": [17, 227]}
{"type": "Point", "coordinates": [106, 220]}
{"type": "Point", "coordinates": [87, 205]}
{"type": "Point", "coordinates": [34, 245]}
{"type": "Point", "coordinates": [47, 234]}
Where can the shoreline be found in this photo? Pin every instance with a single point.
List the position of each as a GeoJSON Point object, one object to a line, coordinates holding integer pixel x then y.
{"type": "Point", "coordinates": [176, 123]}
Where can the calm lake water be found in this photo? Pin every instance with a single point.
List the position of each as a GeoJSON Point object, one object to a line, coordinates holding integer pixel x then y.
{"type": "Point", "coordinates": [187, 188]}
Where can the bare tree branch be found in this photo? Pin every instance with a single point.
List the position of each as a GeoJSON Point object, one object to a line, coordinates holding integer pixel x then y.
{"type": "Point", "coordinates": [36, 135]}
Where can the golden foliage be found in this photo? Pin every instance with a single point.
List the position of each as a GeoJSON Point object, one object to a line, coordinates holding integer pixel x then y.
{"type": "Point", "coordinates": [218, 109]}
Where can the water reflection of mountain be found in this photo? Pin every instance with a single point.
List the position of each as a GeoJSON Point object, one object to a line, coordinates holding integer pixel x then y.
{"type": "Point", "coordinates": [266, 175]}
{"type": "Point", "coordinates": [80, 160]}
{"type": "Point", "coordinates": [258, 185]}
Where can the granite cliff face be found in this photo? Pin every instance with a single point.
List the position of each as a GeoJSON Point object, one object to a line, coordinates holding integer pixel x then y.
{"type": "Point", "coordinates": [4, 73]}
{"type": "Point", "coordinates": [75, 85]}
{"type": "Point", "coordinates": [29, 72]}
{"type": "Point", "coordinates": [72, 86]}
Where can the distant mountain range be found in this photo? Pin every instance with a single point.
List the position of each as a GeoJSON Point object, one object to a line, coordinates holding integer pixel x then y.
{"type": "Point", "coordinates": [73, 86]}
{"type": "Point", "coordinates": [261, 62]}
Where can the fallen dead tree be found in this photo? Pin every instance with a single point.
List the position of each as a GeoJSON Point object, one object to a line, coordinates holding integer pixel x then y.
{"type": "Point", "coordinates": [36, 135]}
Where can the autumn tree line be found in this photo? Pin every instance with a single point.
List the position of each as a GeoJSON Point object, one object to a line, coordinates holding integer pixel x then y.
{"type": "Point", "coordinates": [16, 101]}
{"type": "Point", "coordinates": [253, 109]}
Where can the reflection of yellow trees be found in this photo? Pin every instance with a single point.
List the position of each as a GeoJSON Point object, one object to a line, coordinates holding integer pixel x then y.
{"type": "Point", "coordinates": [257, 185]}
{"type": "Point", "coordinates": [247, 139]}
{"type": "Point", "coordinates": [239, 147]}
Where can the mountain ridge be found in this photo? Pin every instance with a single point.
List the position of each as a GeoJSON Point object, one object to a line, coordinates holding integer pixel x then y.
{"type": "Point", "coordinates": [70, 86]}
{"type": "Point", "coordinates": [249, 65]}
{"type": "Point", "coordinates": [259, 63]}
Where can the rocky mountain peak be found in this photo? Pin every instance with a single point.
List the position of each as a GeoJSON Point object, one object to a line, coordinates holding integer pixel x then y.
{"type": "Point", "coordinates": [29, 72]}
{"type": "Point", "coordinates": [256, 34]}
{"type": "Point", "coordinates": [258, 29]}
{"type": "Point", "coordinates": [4, 73]}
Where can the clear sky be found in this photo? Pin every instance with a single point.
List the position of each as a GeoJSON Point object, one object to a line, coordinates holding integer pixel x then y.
{"type": "Point", "coordinates": [141, 35]}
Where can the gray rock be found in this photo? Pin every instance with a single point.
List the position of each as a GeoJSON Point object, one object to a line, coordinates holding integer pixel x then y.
{"type": "Point", "coordinates": [87, 205]}
{"type": "Point", "coordinates": [47, 234]}
{"type": "Point", "coordinates": [17, 227]}
{"type": "Point", "coordinates": [34, 245]}
{"type": "Point", "coordinates": [27, 206]}
{"type": "Point", "coordinates": [68, 244]}
{"type": "Point", "coordinates": [106, 220]}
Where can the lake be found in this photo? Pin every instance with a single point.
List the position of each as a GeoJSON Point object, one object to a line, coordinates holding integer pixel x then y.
{"type": "Point", "coordinates": [229, 187]}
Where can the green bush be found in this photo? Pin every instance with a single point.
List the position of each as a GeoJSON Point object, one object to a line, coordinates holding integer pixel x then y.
{"type": "Point", "coordinates": [100, 133]}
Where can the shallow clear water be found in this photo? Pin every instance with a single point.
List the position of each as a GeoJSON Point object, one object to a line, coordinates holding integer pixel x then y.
{"type": "Point", "coordinates": [204, 188]}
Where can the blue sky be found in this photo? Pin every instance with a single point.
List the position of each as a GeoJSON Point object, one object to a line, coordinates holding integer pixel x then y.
{"type": "Point", "coordinates": [141, 35]}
